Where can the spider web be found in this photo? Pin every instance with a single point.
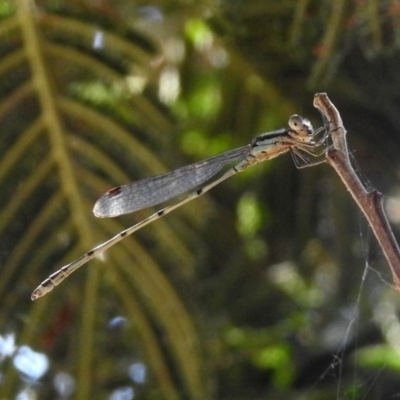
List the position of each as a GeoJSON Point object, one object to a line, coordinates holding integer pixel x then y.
{"type": "Point", "coordinates": [371, 366]}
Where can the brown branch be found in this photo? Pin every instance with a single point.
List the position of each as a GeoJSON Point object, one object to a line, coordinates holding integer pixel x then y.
{"type": "Point", "coordinates": [370, 203]}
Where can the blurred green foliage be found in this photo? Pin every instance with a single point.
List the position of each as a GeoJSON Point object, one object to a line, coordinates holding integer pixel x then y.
{"type": "Point", "coordinates": [270, 286]}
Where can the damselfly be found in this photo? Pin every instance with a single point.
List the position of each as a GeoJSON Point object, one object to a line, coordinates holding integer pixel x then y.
{"type": "Point", "coordinates": [299, 139]}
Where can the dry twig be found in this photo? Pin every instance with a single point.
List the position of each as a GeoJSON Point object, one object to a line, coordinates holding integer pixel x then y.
{"type": "Point", "coordinates": [370, 202]}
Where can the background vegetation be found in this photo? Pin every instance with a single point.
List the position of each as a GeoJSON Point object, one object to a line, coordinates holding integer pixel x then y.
{"type": "Point", "coordinates": [269, 287]}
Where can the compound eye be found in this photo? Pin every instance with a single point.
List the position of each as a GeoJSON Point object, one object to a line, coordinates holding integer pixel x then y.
{"type": "Point", "coordinates": [298, 123]}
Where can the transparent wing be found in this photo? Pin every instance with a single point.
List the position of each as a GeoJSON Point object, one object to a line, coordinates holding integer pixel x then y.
{"type": "Point", "coordinates": [155, 190]}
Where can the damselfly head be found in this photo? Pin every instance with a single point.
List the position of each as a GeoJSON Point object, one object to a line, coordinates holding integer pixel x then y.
{"type": "Point", "coordinates": [301, 127]}
{"type": "Point", "coordinates": [298, 123]}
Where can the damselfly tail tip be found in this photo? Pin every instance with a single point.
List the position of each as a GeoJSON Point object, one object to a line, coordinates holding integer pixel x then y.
{"type": "Point", "coordinates": [37, 293]}
{"type": "Point", "coordinates": [42, 289]}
